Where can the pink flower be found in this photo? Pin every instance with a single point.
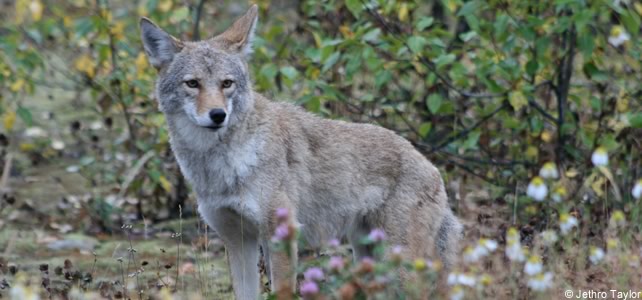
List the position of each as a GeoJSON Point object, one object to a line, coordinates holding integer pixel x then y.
{"type": "Point", "coordinates": [377, 235]}
{"type": "Point", "coordinates": [313, 274]}
{"type": "Point", "coordinates": [336, 263]}
{"type": "Point", "coordinates": [282, 214]}
{"type": "Point", "coordinates": [309, 289]}
{"type": "Point", "coordinates": [281, 233]}
{"type": "Point", "coordinates": [334, 243]}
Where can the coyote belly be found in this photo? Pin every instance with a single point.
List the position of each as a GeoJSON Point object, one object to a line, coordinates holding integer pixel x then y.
{"type": "Point", "coordinates": [246, 156]}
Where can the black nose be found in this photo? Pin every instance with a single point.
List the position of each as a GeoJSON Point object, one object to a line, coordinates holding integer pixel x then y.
{"type": "Point", "coordinates": [217, 115]}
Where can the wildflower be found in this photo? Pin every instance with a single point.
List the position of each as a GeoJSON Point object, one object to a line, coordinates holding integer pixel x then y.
{"type": "Point", "coordinates": [611, 244]}
{"type": "Point", "coordinates": [567, 222]}
{"type": "Point", "coordinates": [549, 237]}
{"type": "Point", "coordinates": [57, 144]}
{"type": "Point", "coordinates": [537, 189]}
{"type": "Point", "coordinates": [457, 293]}
{"type": "Point", "coordinates": [419, 264]}
{"type": "Point", "coordinates": [637, 190]}
{"type": "Point", "coordinates": [596, 255]}
{"type": "Point", "coordinates": [617, 218]}
{"type": "Point", "coordinates": [482, 249]}
{"type": "Point", "coordinates": [309, 289]}
{"type": "Point", "coordinates": [600, 157]}
{"type": "Point", "coordinates": [559, 193]}
{"type": "Point", "coordinates": [282, 214]}
{"type": "Point", "coordinates": [313, 274]}
{"type": "Point", "coordinates": [334, 243]}
{"type": "Point", "coordinates": [377, 235]}
{"type": "Point", "coordinates": [549, 171]}
{"type": "Point", "coordinates": [514, 249]}
{"type": "Point", "coordinates": [533, 265]}
{"type": "Point", "coordinates": [541, 282]}
{"type": "Point", "coordinates": [281, 233]}
{"type": "Point", "coordinates": [486, 279]}
{"type": "Point", "coordinates": [367, 265]}
{"type": "Point", "coordinates": [618, 36]}
{"type": "Point", "coordinates": [336, 263]}
{"type": "Point", "coordinates": [461, 278]}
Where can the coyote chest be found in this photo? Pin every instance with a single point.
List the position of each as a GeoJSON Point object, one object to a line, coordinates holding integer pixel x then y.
{"type": "Point", "coordinates": [222, 176]}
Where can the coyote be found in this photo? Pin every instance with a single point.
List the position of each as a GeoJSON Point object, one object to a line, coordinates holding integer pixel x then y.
{"type": "Point", "coordinates": [246, 156]}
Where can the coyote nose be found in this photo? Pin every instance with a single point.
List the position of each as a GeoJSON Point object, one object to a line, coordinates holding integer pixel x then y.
{"type": "Point", "coordinates": [217, 115]}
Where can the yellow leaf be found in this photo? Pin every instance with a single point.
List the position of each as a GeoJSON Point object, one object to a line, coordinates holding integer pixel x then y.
{"type": "Point", "coordinates": [403, 12]}
{"type": "Point", "coordinates": [36, 10]}
{"type": "Point", "coordinates": [85, 64]}
{"type": "Point", "coordinates": [638, 7]}
{"type": "Point", "coordinates": [141, 63]}
{"type": "Point", "coordinates": [26, 147]}
{"type": "Point", "coordinates": [117, 29]}
{"type": "Point", "coordinates": [622, 104]}
{"type": "Point", "coordinates": [546, 136]}
{"type": "Point", "coordinates": [165, 5]}
{"type": "Point", "coordinates": [9, 120]}
{"type": "Point", "coordinates": [345, 30]}
{"type": "Point", "coordinates": [167, 186]}
{"type": "Point", "coordinates": [616, 190]}
{"type": "Point", "coordinates": [21, 10]}
{"type": "Point", "coordinates": [572, 173]}
{"type": "Point", "coordinates": [17, 85]}
{"type": "Point", "coordinates": [67, 21]}
{"type": "Point", "coordinates": [597, 186]}
{"type": "Point", "coordinates": [532, 152]}
{"type": "Point", "coordinates": [517, 100]}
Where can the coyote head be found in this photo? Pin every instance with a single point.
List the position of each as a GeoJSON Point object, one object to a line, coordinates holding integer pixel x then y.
{"type": "Point", "coordinates": [208, 80]}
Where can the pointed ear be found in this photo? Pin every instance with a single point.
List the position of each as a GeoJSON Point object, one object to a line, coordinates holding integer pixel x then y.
{"type": "Point", "coordinates": [160, 47]}
{"type": "Point", "coordinates": [240, 35]}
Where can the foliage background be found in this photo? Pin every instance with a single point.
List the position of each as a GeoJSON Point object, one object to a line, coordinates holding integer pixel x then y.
{"type": "Point", "coordinates": [488, 90]}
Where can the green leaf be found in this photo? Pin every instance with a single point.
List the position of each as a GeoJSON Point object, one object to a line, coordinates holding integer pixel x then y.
{"type": "Point", "coordinates": [444, 59]}
{"type": "Point", "coordinates": [468, 36]}
{"type": "Point", "coordinates": [424, 129]}
{"type": "Point", "coordinates": [330, 61]}
{"type": "Point", "coordinates": [417, 43]}
{"type": "Point", "coordinates": [424, 23]}
{"type": "Point", "coordinates": [354, 6]}
{"type": "Point", "coordinates": [434, 103]}
{"type": "Point", "coordinates": [269, 71]}
{"type": "Point", "coordinates": [635, 120]}
{"type": "Point", "coordinates": [25, 115]}
{"type": "Point", "coordinates": [517, 100]}
{"type": "Point", "coordinates": [289, 72]}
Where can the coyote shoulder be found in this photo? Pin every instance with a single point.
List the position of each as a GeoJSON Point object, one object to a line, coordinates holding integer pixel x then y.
{"type": "Point", "coordinates": [246, 156]}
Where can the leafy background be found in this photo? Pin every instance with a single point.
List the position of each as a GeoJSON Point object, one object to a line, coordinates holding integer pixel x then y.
{"type": "Point", "coordinates": [489, 91]}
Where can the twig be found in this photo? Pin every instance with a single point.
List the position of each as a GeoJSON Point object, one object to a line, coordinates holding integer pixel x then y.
{"type": "Point", "coordinates": [196, 34]}
{"type": "Point", "coordinates": [564, 85]}
{"type": "Point", "coordinates": [466, 131]}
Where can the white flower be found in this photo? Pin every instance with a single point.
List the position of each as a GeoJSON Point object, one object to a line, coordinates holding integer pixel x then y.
{"type": "Point", "coordinates": [537, 189]}
{"type": "Point", "coordinates": [618, 36]}
{"type": "Point", "coordinates": [549, 237]}
{"type": "Point", "coordinates": [35, 132]}
{"type": "Point", "coordinates": [558, 194]}
{"type": "Point", "coordinates": [600, 157]}
{"type": "Point", "coordinates": [460, 278]}
{"type": "Point", "coordinates": [596, 255]}
{"type": "Point", "coordinates": [549, 171]}
{"type": "Point", "coordinates": [457, 293]}
{"type": "Point", "coordinates": [533, 265]}
{"type": "Point", "coordinates": [541, 282]}
{"type": "Point", "coordinates": [514, 250]}
{"type": "Point", "coordinates": [637, 190]}
{"type": "Point", "coordinates": [567, 222]}
{"type": "Point", "coordinates": [57, 144]}
{"type": "Point", "coordinates": [482, 249]}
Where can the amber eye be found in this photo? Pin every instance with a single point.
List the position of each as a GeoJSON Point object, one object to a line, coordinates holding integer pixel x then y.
{"type": "Point", "coordinates": [226, 83]}
{"type": "Point", "coordinates": [192, 83]}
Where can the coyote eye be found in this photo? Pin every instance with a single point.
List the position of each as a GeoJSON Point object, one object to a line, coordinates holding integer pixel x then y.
{"type": "Point", "coordinates": [192, 83]}
{"type": "Point", "coordinates": [226, 83]}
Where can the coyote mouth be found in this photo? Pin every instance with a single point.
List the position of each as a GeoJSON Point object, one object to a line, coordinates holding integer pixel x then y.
{"type": "Point", "coordinates": [213, 127]}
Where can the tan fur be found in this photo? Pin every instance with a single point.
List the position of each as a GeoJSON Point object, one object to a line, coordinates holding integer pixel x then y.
{"type": "Point", "coordinates": [338, 179]}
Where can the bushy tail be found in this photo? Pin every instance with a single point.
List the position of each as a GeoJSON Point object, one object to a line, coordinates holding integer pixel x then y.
{"type": "Point", "coordinates": [448, 239]}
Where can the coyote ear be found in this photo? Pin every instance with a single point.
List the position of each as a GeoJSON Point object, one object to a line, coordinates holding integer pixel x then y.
{"type": "Point", "coordinates": [160, 47]}
{"type": "Point", "coordinates": [240, 35]}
